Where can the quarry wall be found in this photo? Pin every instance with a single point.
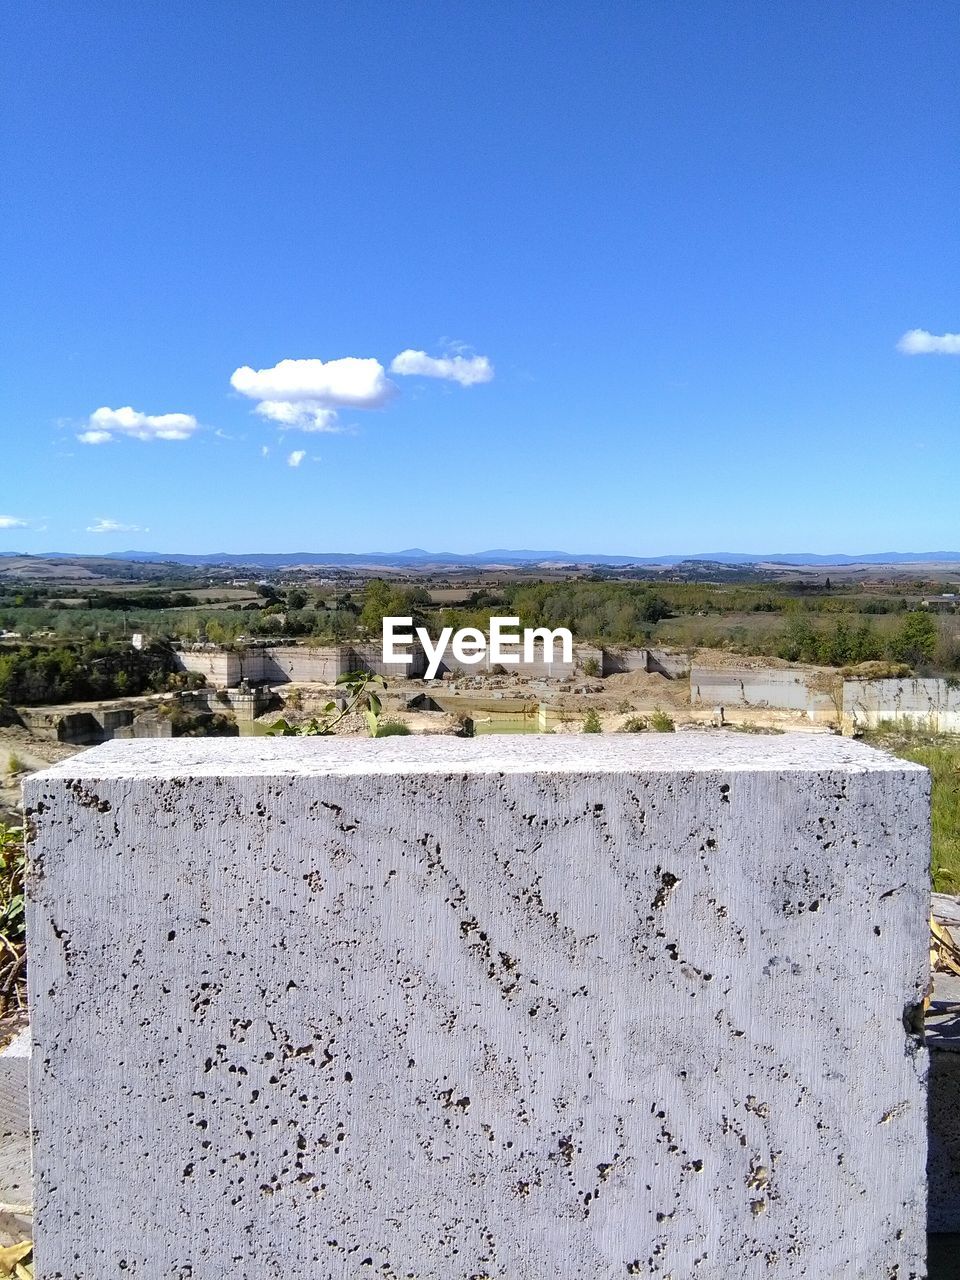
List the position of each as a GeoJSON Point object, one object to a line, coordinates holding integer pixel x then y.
{"type": "Point", "coordinates": [322, 664]}
{"type": "Point", "coordinates": [785, 689]}
{"type": "Point", "coordinates": [929, 704]}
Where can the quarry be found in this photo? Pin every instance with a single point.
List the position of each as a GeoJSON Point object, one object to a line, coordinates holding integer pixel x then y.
{"type": "Point", "coordinates": [664, 766]}
{"type": "Point", "coordinates": [699, 687]}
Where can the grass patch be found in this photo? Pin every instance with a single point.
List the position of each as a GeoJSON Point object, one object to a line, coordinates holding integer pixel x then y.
{"type": "Point", "coordinates": [392, 729]}
{"type": "Point", "coordinates": [941, 755]}
{"type": "Point", "coordinates": [15, 764]}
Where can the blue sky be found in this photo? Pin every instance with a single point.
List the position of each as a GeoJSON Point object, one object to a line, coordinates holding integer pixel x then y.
{"type": "Point", "coordinates": [650, 262]}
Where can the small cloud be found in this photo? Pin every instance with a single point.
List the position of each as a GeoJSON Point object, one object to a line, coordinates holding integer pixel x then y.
{"type": "Point", "coordinates": [918, 342]}
{"type": "Point", "coordinates": [103, 524]}
{"type": "Point", "coordinates": [308, 415]}
{"type": "Point", "coordinates": [467, 370]}
{"type": "Point", "coordinates": [307, 393]}
{"type": "Point", "coordinates": [296, 457]}
{"type": "Point", "coordinates": [264, 451]}
{"type": "Point", "coordinates": [12, 522]}
{"type": "Point", "coordinates": [108, 424]}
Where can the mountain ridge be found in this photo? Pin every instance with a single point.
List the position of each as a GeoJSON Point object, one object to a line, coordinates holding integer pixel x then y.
{"type": "Point", "coordinates": [417, 556]}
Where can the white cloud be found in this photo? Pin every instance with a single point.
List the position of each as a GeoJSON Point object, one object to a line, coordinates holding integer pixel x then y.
{"type": "Point", "coordinates": [296, 457]}
{"type": "Point", "coordinates": [467, 370]}
{"type": "Point", "coordinates": [264, 451]}
{"type": "Point", "coordinates": [308, 415]}
{"type": "Point", "coordinates": [918, 342]}
{"type": "Point", "coordinates": [12, 522]}
{"type": "Point", "coordinates": [103, 524]}
{"type": "Point", "coordinates": [307, 393]}
{"type": "Point", "coordinates": [107, 424]}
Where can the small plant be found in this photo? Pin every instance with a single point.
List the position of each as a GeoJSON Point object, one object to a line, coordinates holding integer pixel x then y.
{"type": "Point", "coordinates": [15, 764]}
{"type": "Point", "coordinates": [13, 949]}
{"type": "Point", "coordinates": [591, 722]}
{"type": "Point", "coordinates": [660, 722]}
{"type": "Point", "coordinates": [591, 667]}
{"type": "Point", "coordinates": [359, 687]}
{"type": "Point", "coordinates": [624, 706]}
{"type": "Point", "coordinates": [635, 724]}
{"type": "Point", "coordinates": [294, 699]}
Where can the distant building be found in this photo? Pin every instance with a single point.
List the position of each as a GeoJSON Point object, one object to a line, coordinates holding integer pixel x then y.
{"type": "Point", "coordinates": [945, 603]}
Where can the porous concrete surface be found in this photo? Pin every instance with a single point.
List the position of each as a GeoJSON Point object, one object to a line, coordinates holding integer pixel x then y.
{"type": "Point", "coordinates": [455, 1009]}
{"type": "Point", "coordinates": [15, 1122]}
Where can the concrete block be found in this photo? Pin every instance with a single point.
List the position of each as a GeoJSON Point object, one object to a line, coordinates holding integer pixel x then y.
{"type": "Point", "coordinates": [452, 1009]}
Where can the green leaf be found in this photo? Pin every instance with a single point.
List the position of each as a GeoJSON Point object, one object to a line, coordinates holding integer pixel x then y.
{"type": "Point", "coordinates": [374, 703]}
{"type": "Point", "coordinates": [371, 718]}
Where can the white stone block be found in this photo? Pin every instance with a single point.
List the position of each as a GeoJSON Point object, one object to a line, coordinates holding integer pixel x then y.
{"type": "Point", "coordinates": [443, 1009]}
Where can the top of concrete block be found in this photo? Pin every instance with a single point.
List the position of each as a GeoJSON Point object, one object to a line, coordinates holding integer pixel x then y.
{"type": "Point", "coordinates": [493, 753]}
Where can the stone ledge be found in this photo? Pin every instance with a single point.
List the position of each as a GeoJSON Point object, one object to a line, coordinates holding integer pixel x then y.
{"type": "Point", "coordinates": [563, 753]}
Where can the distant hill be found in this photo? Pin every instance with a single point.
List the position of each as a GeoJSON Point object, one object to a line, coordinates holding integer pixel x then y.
{"type": "Point", "coordinates": [416, 557]}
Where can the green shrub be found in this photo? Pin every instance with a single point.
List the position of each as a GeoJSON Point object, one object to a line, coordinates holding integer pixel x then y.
{"type": "Point", "coordinates": [393, 729]}
{"type": "Point", "coordinates": [15, 764]}
{"type": "Point", "coordinates": [660, 722]}
{"type": "Point", "coordinates": [591, 722]}
{"type": "Point", "coordinates": [635, 724]}
{"type": "Point", "coordinates": [13, 954]}
{"type": "Point", "coordinates": [590, 666]}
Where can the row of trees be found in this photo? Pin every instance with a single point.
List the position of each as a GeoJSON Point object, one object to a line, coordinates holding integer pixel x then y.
{"type": "Point", "coordinates": [608, 612]}
{"type": "Point", "coordinates": [914, 642]}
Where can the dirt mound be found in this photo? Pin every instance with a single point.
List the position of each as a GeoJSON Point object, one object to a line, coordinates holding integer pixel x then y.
{"type": "Point", "coordinates": [647, 681]}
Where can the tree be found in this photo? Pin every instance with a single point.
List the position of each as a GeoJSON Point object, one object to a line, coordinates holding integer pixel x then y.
{"type": "Point", "coordinates": [376, 599]}
{"type": "Point", "coordinates": [915, 639]}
